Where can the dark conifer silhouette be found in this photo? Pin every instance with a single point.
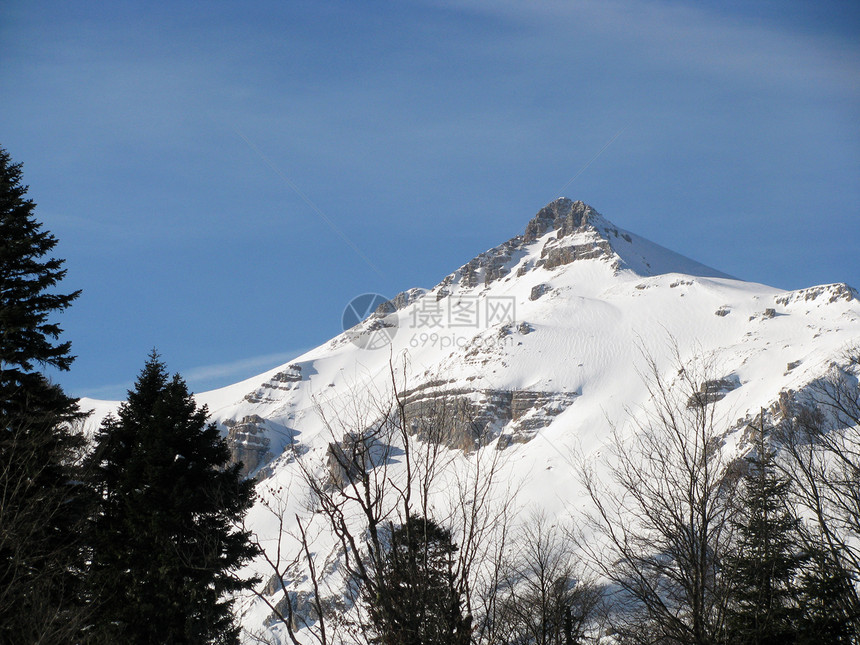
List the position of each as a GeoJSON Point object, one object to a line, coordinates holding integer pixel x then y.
{"type": "Point", "coordinates": [416, 599]}
{"type": "Point", "coordinates": [41, 506]}
{"type": "Point", "coordinates": [167, 547]}
{"type": "Point", "coordinates": [766, 558]}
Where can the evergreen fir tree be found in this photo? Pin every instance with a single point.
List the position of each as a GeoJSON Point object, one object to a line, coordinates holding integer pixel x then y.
{"type": "Point", "coordinates": [825, 598]}
{"type": "Point", "coordinates": [416, 599]}
{"type": "Point", "coordinates": [40, 505]}
{"type": "Point", "coordinates": [166, 544]}
{"type": "Point", "coordinates": [766, 558]}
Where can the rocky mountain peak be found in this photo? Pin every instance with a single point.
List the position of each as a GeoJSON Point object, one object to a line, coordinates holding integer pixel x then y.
{"type": "Point", "coordinates": [578, 233]}
{"type": "Point", "coordinates": [563, 215]}
{"type": "Point", "coordinates": [568, 219]}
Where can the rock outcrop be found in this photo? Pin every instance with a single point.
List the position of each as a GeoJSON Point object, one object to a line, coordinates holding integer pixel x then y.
{"type": "Point", "coordinates": [539, 290]}
{"type": "Point", "coordinates": [713, 390]}
{"type": "Point", "coordinates": [284, 381]}
{"type": "Point", "coordinates": [351, 456]}
{"type": "Point", "coordinates": [398, 302]}
{"type": "Point", "coordinates": [557, 252]}
{"type": "Point", "coordinates": [826, 292]}
{"type": "Point", "coordinates": [465, 418]}
{"type": "Point", "coordinates": [248, 442]}
{"type": "Point", "coordinates": [564, 216]}
{"type": "Point", "coordinates": [490, 265]}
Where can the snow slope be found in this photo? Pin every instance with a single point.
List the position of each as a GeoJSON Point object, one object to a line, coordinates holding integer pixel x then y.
{"type": "Point", "coordinates": [558, 319]}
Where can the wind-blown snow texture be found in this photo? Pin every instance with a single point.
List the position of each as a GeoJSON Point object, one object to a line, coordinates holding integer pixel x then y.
{"type": "Point", "coordinates": [554, 324]}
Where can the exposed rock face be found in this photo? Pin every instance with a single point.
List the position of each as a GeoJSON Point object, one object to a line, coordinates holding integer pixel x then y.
{"type": "Point", "coordinates": [293, 374]}
{"type": "Point", "coordinates": [564, 216]}
{"type": "Point", "coordinates": [304, 611]}
{"type": "Point", "coordinates": [248, 443]}
{"type": "Point", "coordinates": [525, 328]}
{"type": "Point", "coordinates": [791, 365]}
{"type": "Point", "coordinates": [714, 390]}
{"type": "Point", "coordinates": [680, 283]}
{"type": "Point", "coordinates": [274, 585]}
{"type": "Point", "coordinates": [567, 218]}
{"type": "Point", "coordinates": [405, 298]}
{"type": "Point", "coordinates": [284, 381]}
{"type": "Point", "coordinates": [350, 457]}
{"type": "Point", "coordinates": [490, 265]}
{"type": "Point", "coordinates": [531, 412]}
{"type": "Point", "coordinates": [539, 290]}
{"type": "Point", "coordinates": [556, 253]}
{"type": "Point", "coordinates": [467, 418]}
{"type": "Point", "coordinates": [459, 418]}
{"type": "Point", "coordinates": [398, 302]}
{"type": "Point", "coordinates": [827, 293]}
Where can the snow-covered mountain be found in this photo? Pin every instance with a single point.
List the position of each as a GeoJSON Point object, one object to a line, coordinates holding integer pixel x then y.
{"type": "Point", "coordinates": [542, 340]}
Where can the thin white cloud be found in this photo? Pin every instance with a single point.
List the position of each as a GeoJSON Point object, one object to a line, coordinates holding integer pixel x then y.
{"type": "Point", "coordinates": [692, 37]}
{"type": "Point", "coordinates": [112, 392]}
{"type": "Point", "coordinates": [215, 375]}
{"type": "Point", "coordinates": [241, 368]}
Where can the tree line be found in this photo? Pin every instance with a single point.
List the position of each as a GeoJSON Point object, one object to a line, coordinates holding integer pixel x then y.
{"type": "Point", "coordinates": [131, 537]}
{"type": "Point", "coordinates": [707, 548]}
{"type": "Point", "coordinates": [137, 535]}
{"type": "Point", "coordinates": [684, 542]}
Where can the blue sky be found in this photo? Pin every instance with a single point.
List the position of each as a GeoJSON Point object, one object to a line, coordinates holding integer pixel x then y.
{"type": "Point", "coordinates": [223, 177]}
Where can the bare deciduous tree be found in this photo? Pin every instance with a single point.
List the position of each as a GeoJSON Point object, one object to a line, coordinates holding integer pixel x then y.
{"type": "Point", "coordinates": [820, 441]}
{"type": "Point", "coordinates": [544, 597]}
{"type": "Point", "coordinates": [288, 553]}
{"type": "Point", "coordinates": [42, 534]}
{"type": "Point", "coordinates": [387, 462]}
{"type": "Point", "coordinates": [660, 524]}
